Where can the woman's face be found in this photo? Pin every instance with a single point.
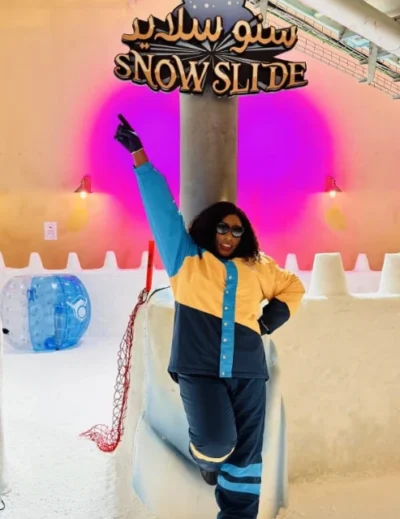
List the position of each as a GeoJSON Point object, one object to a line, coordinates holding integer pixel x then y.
{"type": "Point", "coordinates": [228, 235]}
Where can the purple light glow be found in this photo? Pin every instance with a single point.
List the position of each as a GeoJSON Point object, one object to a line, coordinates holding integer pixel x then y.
{"type": "Point", "coordinates": [156, 118]}
{"type": "Point", "coordinates": [285, 153]}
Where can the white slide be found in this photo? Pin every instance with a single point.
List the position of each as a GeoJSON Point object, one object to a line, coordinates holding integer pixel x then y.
{"type": "Point", "coordinates": [162, 473]}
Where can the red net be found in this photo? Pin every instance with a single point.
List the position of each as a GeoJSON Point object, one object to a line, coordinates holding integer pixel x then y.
{"type": "Point", "coordinates": [107, 439]}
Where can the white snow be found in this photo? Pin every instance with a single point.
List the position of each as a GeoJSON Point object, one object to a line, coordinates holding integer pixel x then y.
{"type": "Point", "coordinates": [368, 497]}
{"type": "Point", "coordinates": [49, 399]}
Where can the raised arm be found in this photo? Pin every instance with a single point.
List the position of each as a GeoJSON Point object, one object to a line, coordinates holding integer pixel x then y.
{"type": "Point", "coordinates": [284, 292]}
{"type": "Point", "coordinates": [166, 222]}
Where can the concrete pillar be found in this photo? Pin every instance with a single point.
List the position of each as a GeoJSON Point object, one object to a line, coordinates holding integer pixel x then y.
{"type": "Point", "coordinates": [208, 144]}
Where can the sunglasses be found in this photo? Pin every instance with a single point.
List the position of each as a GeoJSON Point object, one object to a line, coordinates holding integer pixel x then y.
{"type": "Point", "coordinates": [236, 230]}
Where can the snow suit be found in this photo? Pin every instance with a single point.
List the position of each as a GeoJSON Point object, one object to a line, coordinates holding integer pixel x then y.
{"type": "Point", "coordinates": [217, 354]}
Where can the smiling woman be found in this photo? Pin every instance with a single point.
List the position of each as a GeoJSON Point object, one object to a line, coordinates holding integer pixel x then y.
{"type": "Point", "coordinates": [219, 280]}
{"type": "Point", "coordinates": [224, 230]}
{"type": "Point", "coordinates": [229, 233]}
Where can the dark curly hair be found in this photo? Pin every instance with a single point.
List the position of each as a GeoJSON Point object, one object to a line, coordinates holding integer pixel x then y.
{"type": "Point", "coordinates": [203, 229]}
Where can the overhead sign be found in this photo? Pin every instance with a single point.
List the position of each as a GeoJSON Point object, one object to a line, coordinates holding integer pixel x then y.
{"type": "Point", "coordinates": [193, 55]}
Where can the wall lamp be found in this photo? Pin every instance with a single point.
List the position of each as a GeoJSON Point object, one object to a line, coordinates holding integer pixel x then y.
{"type": "Point", "coordinates": [331, 187]}
{"type": "Point", "coordinates": [85, 187]}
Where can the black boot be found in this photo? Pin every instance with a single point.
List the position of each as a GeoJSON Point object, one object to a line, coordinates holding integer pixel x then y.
{"type": "Point", "coordinates": [209, 477]}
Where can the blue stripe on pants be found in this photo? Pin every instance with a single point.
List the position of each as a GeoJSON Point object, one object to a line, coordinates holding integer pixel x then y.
{"type": "Point", "coordinates": [244, 488]}
{"type": "Point", "coordinates": [222, 414]}
{"type": "Point", "coordinates": [243, 472]}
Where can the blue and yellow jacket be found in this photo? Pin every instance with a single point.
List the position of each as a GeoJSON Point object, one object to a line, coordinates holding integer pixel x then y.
{"type": "Point", "coordinates": [218, 322]}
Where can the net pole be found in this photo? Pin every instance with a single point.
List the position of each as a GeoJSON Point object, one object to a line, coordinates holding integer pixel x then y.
{"type": "Point", "coordinates": [150, 266]}
{"type": "Point", "coordinates": [107, 439]}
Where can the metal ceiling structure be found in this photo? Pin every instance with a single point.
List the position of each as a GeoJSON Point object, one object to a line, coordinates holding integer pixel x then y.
{"type": "Point", "coordinates": [357, 37]}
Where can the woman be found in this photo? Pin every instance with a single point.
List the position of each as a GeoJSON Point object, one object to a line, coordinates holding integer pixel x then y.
{"type": "Point", "coordinates": [218, 278]}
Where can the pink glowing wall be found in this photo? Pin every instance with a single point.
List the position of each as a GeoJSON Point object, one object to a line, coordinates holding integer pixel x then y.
{"type": "Point", "coordinates": [288, 143]}
{"type": "Point", "coordinates": [59, 114]}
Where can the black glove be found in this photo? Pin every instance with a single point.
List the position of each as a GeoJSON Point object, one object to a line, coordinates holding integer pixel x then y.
{"type": "Point", "coordinates": [274, 315]}
{"type": "Point", "coordinates": [127, 137]}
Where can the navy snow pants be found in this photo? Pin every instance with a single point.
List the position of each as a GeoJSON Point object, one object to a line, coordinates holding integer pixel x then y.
{"type": "Point", "coordinates": [226, 427]}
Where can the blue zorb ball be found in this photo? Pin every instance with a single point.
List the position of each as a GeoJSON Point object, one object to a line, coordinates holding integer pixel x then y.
{"type": "Point", "coordinates": [44, 312]}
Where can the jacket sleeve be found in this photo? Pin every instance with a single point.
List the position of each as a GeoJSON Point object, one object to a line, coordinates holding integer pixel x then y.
{"type": "Point", "coordinates": [284, 292]}
{"type": "Point", "coordinates": [166, 222]}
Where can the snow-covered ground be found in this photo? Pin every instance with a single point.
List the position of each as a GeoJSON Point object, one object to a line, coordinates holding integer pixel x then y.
{"type": "Point", "coordinates": [49, 399]}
